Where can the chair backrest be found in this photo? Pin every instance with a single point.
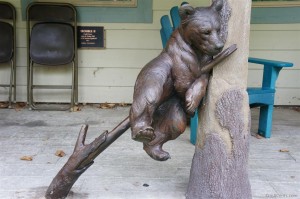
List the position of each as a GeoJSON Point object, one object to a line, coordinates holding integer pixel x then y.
{"type": "Point", "coordinates": [166, 26]}
{"type": "Point", "coordinates": [166, 29]}
{"type": "Point", "coordinates": [51, 12]}
{"type": "Point", "coordinates": [7, 11]}
{"type": "Point", "coordinates": [52, 33]}
{"type": "Point", "coordinates": [174, 12]}
{"type": "Point", "coordinates": [7, 31]}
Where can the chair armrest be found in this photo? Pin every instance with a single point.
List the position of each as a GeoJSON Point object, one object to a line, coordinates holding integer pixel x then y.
{"type": "Point", "coordinates": [271, 70]}
{"type": "Point", "coordinates": [269, 62]}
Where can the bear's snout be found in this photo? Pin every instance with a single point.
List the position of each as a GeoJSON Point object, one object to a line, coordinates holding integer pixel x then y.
{"type": "Point", "coordinates": [219, 46]}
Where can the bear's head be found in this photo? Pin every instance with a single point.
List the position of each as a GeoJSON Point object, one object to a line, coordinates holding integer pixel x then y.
{"type": "Point", "coordinates": [200, 27]}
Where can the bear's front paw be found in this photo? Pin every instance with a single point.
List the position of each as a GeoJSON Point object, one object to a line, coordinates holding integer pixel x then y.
{"type": "Point", "coordinates": [190, 104]}
{"type": "Point", "coordinates": [146, 135]}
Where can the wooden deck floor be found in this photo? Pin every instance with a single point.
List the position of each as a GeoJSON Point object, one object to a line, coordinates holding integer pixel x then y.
{"type": "Point", "coordinates": [124, 170]}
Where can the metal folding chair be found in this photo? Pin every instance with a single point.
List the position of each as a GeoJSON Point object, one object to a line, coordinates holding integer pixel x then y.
{"type": "Point", "coordinates": [8, 45]}
{"type": "Point", "coordinates": [52, 41]}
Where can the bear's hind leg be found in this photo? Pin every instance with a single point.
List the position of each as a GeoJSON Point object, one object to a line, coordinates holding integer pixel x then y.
{"type": "Point", "coordinates": [169, 122]}
{"type": "Point", "coordinates": [141, 121]}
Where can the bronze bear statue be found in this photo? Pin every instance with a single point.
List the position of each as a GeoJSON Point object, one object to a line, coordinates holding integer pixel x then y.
{"type": "Point", "coordinates": [170, 87]}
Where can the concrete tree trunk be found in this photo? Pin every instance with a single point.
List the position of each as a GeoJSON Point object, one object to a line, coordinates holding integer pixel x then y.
{"type": "Point", "coordinates": [219, 168]}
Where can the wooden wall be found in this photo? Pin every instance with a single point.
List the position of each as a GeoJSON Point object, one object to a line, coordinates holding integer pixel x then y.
{"type": "Point", "coordinates": [278, 42]}
{"type": "Point", "coordinates": [108, 75]}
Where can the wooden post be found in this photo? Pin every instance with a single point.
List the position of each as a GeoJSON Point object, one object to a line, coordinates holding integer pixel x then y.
{"type": "Point", "coordinates": [219, 168]}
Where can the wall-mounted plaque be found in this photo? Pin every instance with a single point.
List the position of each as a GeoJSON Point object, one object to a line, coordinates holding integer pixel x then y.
{"type": "Point", "coordinates": [90, 37]}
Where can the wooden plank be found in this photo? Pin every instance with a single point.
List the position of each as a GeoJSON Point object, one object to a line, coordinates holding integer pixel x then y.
{"type": "Point", "coordinates": [275, 40]}
{"type": "Point", "coordinates": [133, 39]}
{"type": "Point", "coordinates": [106, 58]}
{"type": "Point", "coordinates": [286, 79]}
{"type": "Point", "coordinates": [116, 58]}
{"type": "Point", "coordinates": [279, 55]}
{"type": "Point", "coordinates": [106, 94]}
{"type": "Point", "coordinates": [275, 27]}
{"type": "Point", "coordinates": [21, 38]}
{"type": "Point", "coordinates": [275, 15]}
{"type": "Point", "coordinates": [5, 73]}
{"type": "Point", "coordinates": [115, 39]}
{"type": "Point", "coordinates": [167, 5]}
{"type": "Point", "coordinates": [86, 95]}
{"type": "Point", "coordinates": [99, 77]}
{"type": "Point", "coordinates": [287, 96]}
{"type": "Point", "coordinates": [15, 3]}
{"type": "Point", "coordinates": [96, 93]}
{"type": "Point", "coordinates": [21, 58]}
{"type": "Point", "coordinates": [108, 77]}
{"type": "Point", "coordinates": [133, 26]}
{"type": "Point", "coordinates": [140, 14]}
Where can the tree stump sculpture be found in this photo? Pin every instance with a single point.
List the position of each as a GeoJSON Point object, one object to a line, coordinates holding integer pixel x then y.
{"type": "Point", "coordinates": [219, 168]}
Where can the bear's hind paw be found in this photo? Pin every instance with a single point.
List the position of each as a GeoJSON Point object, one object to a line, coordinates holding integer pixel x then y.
{"type": "Point", "coordinates": [156, 152]}
{"type": "Point", "coordinates": [146, 135]}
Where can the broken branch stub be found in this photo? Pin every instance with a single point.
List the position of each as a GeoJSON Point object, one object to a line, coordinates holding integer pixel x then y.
{"type": "Point", "coordinates": [81, 159]}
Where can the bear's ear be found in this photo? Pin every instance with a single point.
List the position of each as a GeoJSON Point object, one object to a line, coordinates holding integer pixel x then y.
{"type": "Point", "coordinates": [217, 5]}
{"type": "Point", "coordinates": [185, 11]}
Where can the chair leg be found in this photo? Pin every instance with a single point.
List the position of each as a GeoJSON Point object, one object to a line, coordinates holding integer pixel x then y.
{"type": "Point", "coordinates": [73, 98]}
{"type": "Point", "coordinates": [15, 81]}
{"type": "Point", "coordinates": [194, 127]}
{"type": "Point", "coordinates": [76, 82]}
{"type": "Point", "coordinates": [30, 83]}
{"type": "Point", "coordinates": [265, 121]}
{"type": "Point", "coordinates": [10, 84]}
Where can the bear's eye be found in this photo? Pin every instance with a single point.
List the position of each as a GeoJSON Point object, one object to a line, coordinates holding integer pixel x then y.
{"type": "Point", "coordinates": [207, 32]}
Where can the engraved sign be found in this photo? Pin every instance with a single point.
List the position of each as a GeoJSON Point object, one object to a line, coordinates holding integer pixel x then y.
{"type": "Point", "coordinates": [90, 37]}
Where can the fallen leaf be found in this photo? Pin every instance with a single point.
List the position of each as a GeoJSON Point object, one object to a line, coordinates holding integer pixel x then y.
{"type": "Point", "coordinates": [297, 108]}
{"type": "Point", "coordinates": [20, 105]}
{"type": "Point", "coordinates": [107, 105]}
{"type": "Point", "coordinates": [123, 104]}
{"type": "Point", "coordinates": [258, 136]}
{"type": "Point", "coordinates": [76, 108]}
{"type": "Point", "coordinates": [60, 153]}
{"type": "Point", "coordinates": [3, 104]}
{"type": "Point", "coordinates": [284, 150]}
{"type": "Point", "coordinates": [26, 158]}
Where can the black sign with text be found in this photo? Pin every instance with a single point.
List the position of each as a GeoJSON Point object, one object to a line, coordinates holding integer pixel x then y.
{"type": "Point", "coordinates": [90, 37]}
